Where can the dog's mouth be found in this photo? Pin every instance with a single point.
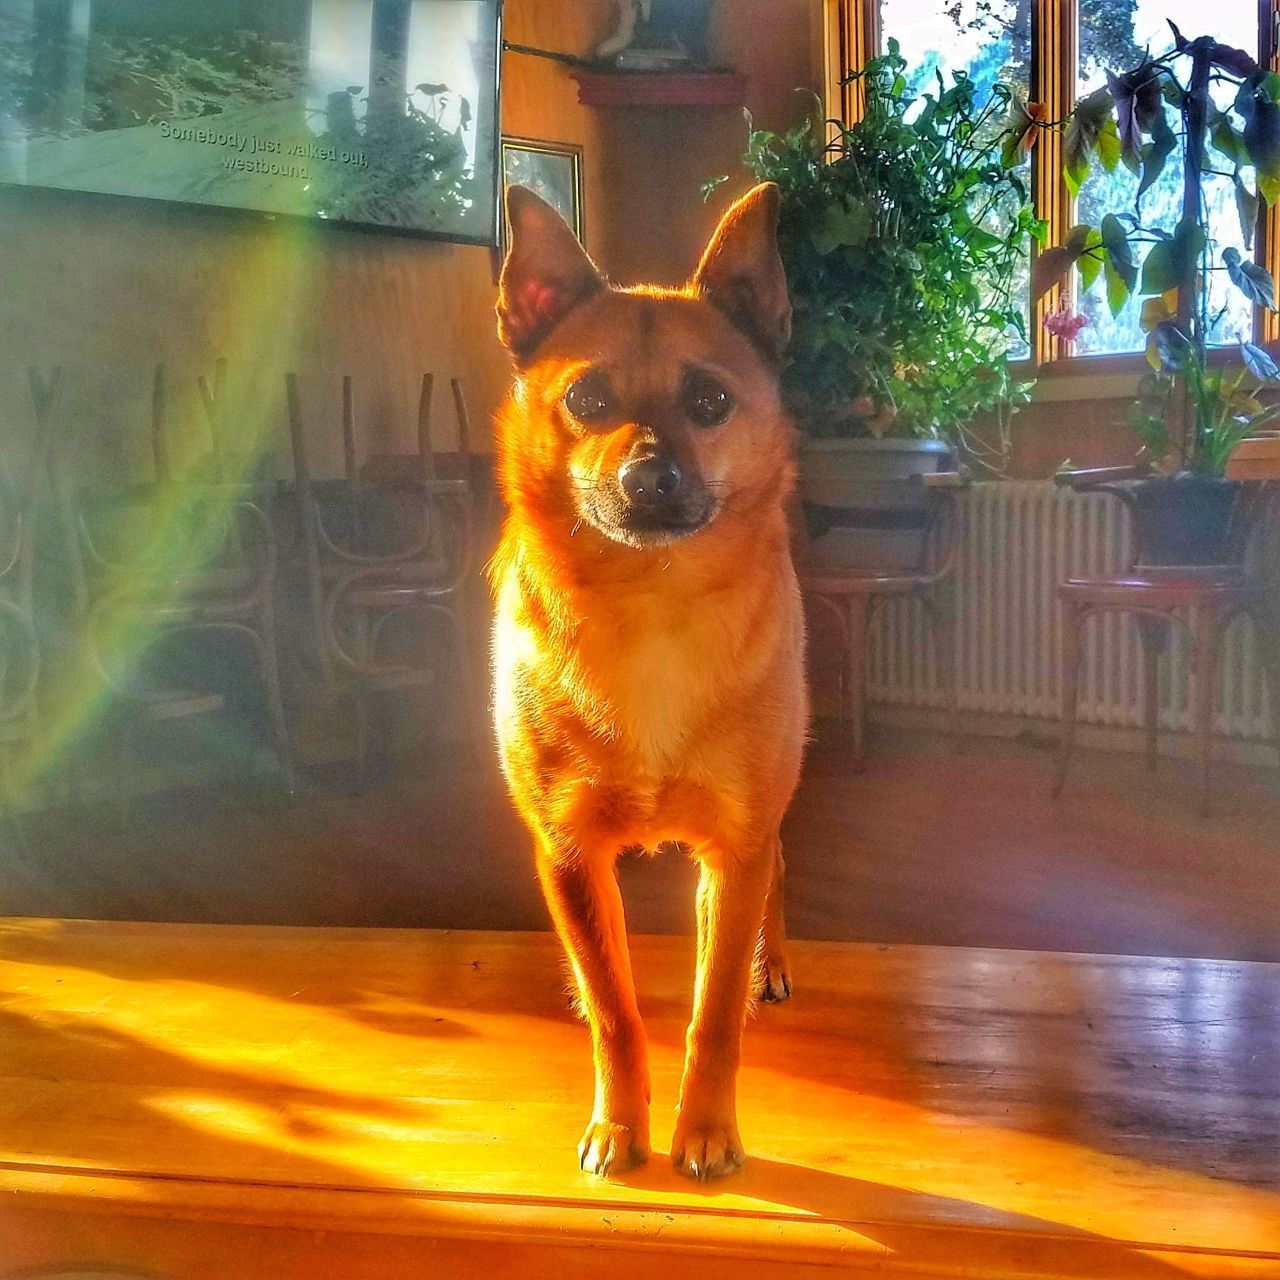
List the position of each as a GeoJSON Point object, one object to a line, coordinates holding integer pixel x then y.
{"type": "Point", "coordinates": [648, 527]}
{"type": "Point", "coordinates": [638, 526]}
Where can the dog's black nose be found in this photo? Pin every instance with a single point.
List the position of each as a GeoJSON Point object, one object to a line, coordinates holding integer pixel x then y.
{"type": "Point", "coordinates": [650, 481]}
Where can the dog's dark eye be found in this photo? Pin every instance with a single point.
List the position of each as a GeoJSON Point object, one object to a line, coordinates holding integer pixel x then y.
{"type": "Point", "coordinates": [590, 398]}
{"type": "Point", "coordinates": [706, 400]}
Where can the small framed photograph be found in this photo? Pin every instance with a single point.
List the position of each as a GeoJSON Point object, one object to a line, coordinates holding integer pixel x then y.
{"type": "Point", "coordinates": [552, 170]}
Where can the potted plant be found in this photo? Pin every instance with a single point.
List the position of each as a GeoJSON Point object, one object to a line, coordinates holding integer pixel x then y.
{"type": "Point", "coordinates": [903, 237]}
{"type": "Point", "coordinates": [1193, 408]}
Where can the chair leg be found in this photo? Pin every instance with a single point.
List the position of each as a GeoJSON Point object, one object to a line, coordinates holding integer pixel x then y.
{"type": "Point", "coordinates": [264, 646]}
{"type": "Point", "coordinates": [124, 771]}
{"type": "Point", "coordinates": [856, 677]}
{"type": "Point", "coordinates": [10, 824]}
{"type": "Point", "coordinates": [362, 635]}
{"type": "Point", "coordinates": [1154, 635]}
{"type": "Point", "coordinates": [362, 696]}
{"type": "Point", "coordinates": [1268, 624]}
{"type": "Point", "coordinates": [940, 611]}
{"type": "Point", "coordinates": [1204, 673]}
{"type": "Point", "coordinates": [1072, 623]}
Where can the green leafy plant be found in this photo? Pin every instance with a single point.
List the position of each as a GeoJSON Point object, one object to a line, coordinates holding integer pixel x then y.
{"type": "Point", "coordinates": [904, 237]}
{"type": "Point", "coordinates": [1191, 411]}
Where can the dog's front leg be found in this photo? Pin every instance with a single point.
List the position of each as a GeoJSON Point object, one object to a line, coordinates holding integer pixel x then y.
{"type": "Point", "coordinates": [731, 894]}
{"type": "Point", "coordinates": [582, 893]}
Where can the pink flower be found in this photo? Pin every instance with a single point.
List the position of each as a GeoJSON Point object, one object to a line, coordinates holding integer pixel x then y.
{"type": "Point", "coordinates": [1064, 323]}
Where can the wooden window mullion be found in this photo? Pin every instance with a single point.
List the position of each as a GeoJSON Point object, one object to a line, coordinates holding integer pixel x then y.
{"type": "Point", "coordinates": [1053, 83]}
{"type": "Point", "coordinates": [1267, 249]}
{"type": "Point", "coordinates": [852, 37]}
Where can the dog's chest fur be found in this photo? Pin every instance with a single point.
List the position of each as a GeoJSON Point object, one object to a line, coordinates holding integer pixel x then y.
{"type": "Point", "coordinates": [653, 683]}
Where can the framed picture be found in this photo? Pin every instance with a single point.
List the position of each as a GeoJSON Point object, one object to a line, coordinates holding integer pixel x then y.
{"type": "Point", "coordinates": [551, 169]}
{"type": "Point", "coordinates": [377, 114]}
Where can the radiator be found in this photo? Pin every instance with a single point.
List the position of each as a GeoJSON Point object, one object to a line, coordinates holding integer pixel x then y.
{"type": "Point", "coordinates": [1020, 538]}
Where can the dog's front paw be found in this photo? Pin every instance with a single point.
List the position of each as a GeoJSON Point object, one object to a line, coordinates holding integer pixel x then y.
{"type": "Point", "coordinates": [773, 980]}
{"type": "Point", "coordinates": [608, 1148]}
{"type": "Point", "coordinates": [706, 1151]}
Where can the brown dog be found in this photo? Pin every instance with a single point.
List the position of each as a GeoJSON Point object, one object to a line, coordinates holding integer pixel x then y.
{"type": "Point", "coordinates": [648, 652]}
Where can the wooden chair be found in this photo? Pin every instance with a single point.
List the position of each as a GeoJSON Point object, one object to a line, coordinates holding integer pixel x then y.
{"type": "Point", "coordinates": [20, 652]}
{"type": "Point", "coordinates": [377, 550]}
{"type": "Point", "coordinates": [851, 595]}
{"type": "Point", "coordinates": [156, 565]}
{"type": "Point", "coordinates": [1202, 599]}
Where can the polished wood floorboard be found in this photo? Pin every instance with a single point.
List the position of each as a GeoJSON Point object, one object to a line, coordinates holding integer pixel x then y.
{"type": "Point", "coordinates": [927, 846]}
{"type": "Point", "coordinates": [234, 1103]}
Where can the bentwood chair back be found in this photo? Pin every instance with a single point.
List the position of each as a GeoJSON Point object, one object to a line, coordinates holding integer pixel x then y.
{"type": "Point", "coordinates": [1202, 600]}
{"type": "Point", "coordinates": [378, 550]}
{"type": "Point", "coordinates": [20, 649]}
{"type": "Point", "coordinates": [158, 569]}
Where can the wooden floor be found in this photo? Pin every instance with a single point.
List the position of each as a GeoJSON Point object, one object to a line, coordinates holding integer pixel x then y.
{"type": "Point", "coordinates": [229, 1103]}
{"type": "Point", "coordinates": [927, 847]}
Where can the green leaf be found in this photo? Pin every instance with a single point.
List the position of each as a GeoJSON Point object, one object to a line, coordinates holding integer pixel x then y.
{"type": "Point", "coordinates": [1247, 205]}
{"type": "Point", "coordinates": [1154, 154]}
{"type": "Point", "coordinates": [1170, 261]}
{"type": "Point", "coordinates": [1262, 140]}
{"type": "Point", "coordinates": [1228, 141]}
{"type": "Point", "coordinates": [1020, 131]}
{"type": "Point", "coordinates": [1116, 239]}
{"type": "Point", "coordinates": [1258, 362]}
{"type": "Point", "coordinates": [1108, 145]}
{"type": "Point", "coordinates": [1075, 169]}
{"type": "Point", "coordinates": [1253, 281]}
{"type": "Point", "coordinates": [843, 225]}
{"type": "Point", "coordinates": [1119, 290]}
{"type": "Point", "coordinates": [1161, 271]}
{"type": "Point", "coordinates": [1084, 128]}
{"type": "Point", "coordinates": [1091, 258]}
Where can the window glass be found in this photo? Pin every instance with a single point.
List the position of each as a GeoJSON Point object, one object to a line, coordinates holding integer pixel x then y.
{"type": "Point", "coordinates": [989, 40]}
{"type": "Point", "coordinates": [1113, 36]}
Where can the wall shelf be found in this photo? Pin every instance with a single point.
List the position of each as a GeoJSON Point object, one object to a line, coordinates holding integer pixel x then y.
{"type": "Point", "coordinates": [660, 88]}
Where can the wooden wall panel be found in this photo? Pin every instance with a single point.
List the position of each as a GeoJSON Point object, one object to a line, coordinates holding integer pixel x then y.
{"type": "Point", "coordinates": [109, 288]}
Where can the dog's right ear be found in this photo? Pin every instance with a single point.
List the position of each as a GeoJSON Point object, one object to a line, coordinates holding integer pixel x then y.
{"type": "Point", "coordinates": [547, 273]}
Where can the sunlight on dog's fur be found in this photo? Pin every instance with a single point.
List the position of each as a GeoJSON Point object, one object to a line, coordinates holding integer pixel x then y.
{"type": "Point", "coordinates": [648, 649]}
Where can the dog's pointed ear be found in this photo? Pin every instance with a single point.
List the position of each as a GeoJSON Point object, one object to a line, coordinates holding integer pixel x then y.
{"type": "Point", "coordinates": [741, 272]}
{"type": "Point", "coordinates": [547, 273]}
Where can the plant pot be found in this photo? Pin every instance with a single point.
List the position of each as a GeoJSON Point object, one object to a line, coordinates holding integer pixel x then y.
{"type": "Point", "coordinates": [1185, 519]}
{"type": "Point", "coordinates": [862, 510]}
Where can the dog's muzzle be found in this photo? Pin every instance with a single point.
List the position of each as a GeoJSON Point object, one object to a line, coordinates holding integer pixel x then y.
{"type": "Point", "coordinates": [660, 503]}
{"type": "Point", "coordinates": [651, 482]}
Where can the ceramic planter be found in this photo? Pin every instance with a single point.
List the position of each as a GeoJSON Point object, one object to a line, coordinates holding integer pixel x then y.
{"type": "Point", "coordinates": [860, 509]}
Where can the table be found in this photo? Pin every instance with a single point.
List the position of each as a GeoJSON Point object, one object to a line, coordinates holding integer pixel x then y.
{"type": "Point", "coordinates": [232, 1102]}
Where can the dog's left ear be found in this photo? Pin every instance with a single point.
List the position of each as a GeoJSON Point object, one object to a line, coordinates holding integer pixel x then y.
{"type": "Point", "coordinates": [741, 272]}
{"type": "Point", "coordinates": [546, 274]}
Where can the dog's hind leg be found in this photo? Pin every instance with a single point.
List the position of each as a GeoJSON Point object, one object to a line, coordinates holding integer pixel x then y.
{"type": "Point", "coordinates": [772, 977]}
{"type": "Point", "coordinates": [583, 896]}
{"type": "Point", "coordinates": [731, 894]}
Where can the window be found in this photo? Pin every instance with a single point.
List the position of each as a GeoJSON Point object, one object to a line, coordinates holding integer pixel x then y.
{"type": "Point", "coordinates": [987, 40]}
{"type": "Point", "coordinates": [1114, 34]}
{"type": "Point", "coordinates": [1054, 51]}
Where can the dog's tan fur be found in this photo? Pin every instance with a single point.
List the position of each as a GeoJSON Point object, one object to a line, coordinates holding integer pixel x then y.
{"type": "Point", "coordinates": [654, 692]}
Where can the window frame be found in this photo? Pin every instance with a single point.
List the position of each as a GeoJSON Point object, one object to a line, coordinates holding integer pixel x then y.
{"type": "Point", "coordinates": [851, 35]}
